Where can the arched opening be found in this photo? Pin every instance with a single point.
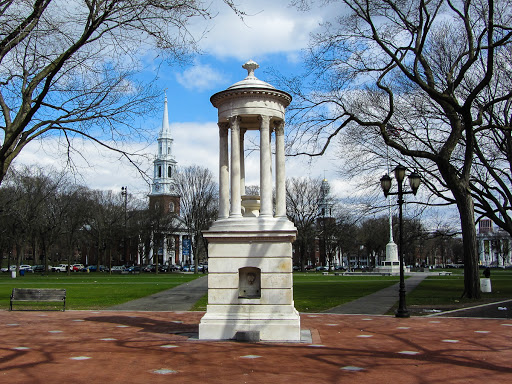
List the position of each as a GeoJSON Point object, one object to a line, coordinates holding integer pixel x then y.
{"type": "Point", "coordinates": [159, 171]}
{"type": "Point", "coordinates": [169, 171]}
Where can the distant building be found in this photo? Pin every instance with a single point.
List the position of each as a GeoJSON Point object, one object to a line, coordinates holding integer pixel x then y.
{"type": "Point", "coordinates": [171, 246]}
{"type": "Point", "coordinates": [494, 245]}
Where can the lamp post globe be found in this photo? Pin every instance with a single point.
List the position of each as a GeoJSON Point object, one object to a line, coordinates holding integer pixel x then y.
{"type": "Point", "coordinates": [400, 173]}
{"type": "Point", "coordinates": [414, 182]}
{"type": "Point", "coordinates": [385, 183]}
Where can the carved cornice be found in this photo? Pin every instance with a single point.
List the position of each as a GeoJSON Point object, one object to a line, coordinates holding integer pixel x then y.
{"type": "Point", "coordinates": [228, 94]}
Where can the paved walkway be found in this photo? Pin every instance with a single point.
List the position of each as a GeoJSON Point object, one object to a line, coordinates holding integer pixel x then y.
{"type": "Point", "coordinates": [181, 298]}
{"type": "Point", "coordinates": [162, 347]}
{"type": "Point", "coordinates": [128, 346]}
{"type": "Point", "coordinates": [380, 302]}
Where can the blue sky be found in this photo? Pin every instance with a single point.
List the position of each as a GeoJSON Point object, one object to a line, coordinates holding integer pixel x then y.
{"type": "Point", "coordinates": [273, 34]}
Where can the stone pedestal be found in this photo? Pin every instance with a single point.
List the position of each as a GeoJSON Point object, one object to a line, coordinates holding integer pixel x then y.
{"type": "Point", "coordinates": [250, 285]}
{"type": "Point", "coordinates": [392, 263]}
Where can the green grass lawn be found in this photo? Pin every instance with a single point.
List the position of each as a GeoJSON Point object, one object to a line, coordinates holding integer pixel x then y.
{"type": "Point", "coordinates": [317, 293]}
{"type": "Point", "coordinates": [314, 292]}
{"type": "Point", "coordinates": [447, 290]}
{"type": "Point", "coordinates": [94, 290]}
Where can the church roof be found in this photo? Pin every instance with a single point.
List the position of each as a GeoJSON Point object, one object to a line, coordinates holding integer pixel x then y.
{"type": "Point", "coordinates": [165, 132]}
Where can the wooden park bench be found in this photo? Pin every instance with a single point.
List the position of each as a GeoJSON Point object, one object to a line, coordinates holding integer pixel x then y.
{"type": "Point", "coordinates": [36, 295]}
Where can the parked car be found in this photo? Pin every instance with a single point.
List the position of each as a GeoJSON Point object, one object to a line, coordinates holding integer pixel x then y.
{"type": "Point", "coordinates": [118, 268]}
{"type": "Point", "coordinates": [60, 268]}
{"type": "Point", "coordinates": [25, 268]}
{"type": "Point", "coordinates": [77, 267]}
{"type": "Point", "coordinates": [38, 268]}
{"type": "Point", "coordinates": [94, 268]}
{"type": "Point", "coordinates": [133, 269]}
{"type": "Point", "coordinates": [11, 268]}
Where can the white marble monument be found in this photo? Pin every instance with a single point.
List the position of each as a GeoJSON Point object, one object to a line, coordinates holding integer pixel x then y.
{"type": "Point", "coordinates": [250, 282]}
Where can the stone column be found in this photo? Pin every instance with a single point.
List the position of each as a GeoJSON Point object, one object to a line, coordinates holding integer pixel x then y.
{"type": "Point", "coordinates": [491, 253]}
{"type": "Point", "coordinates": [280, 173]}
{"type": "Point", "coordinates": [265, 167]}
{"type": "Point", "coordinates": [223, 171]}
{"type": "Point", "coordinates": [242, 161]}
{"type": "Point", "coordinates": [164, 249]}
{"type": "Point", "coordinates": [177, 250]}
{"type": "Point", "coordinates": [236, 198]}
{"type": "Point", "coordinates": [180, 246]}
{"type": "Point", "coordinates": [482, 251]}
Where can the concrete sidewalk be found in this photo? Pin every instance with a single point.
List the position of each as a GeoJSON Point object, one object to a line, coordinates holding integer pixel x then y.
{"type": "Point", "coordinates": [181, 298]}
{"type": "Point", "coordinates": [380, 302]}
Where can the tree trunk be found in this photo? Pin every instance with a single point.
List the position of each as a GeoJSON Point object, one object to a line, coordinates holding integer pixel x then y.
{"type": "Point", "coordinates": [471, 259]}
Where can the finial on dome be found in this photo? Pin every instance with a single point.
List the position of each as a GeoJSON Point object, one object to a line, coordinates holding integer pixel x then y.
{"type": "Point", "coordinates": [250, 66]}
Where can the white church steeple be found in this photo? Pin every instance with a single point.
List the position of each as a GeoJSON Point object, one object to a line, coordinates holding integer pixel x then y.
{"type": "Point", "coordinates": [164, 163]}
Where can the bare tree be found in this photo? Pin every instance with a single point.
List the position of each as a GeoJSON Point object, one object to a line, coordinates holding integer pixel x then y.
{"type": "Point", "coordinates": [303, 197]}
{"type": "Point", "coordinates": [199, 204]}
{"type": "Point", "coordinates": [413, 76]}
{"type": "Point", "coordinates": [69, 67]}
{"type": "Point", "coordinates": [29, 209]}
{"type": "Point", "coordinates": [105, 224]}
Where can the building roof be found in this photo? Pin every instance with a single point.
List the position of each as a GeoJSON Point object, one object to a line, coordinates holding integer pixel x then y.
{"type": "Point", "coordinates": [251, 81]}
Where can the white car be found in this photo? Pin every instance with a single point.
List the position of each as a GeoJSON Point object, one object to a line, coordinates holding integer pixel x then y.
{"type": "Point", "coordinates": [60, 268]}
{"type": "Point", "coordinates": [11, 268]}
{"type": "Point", "coordinates": [26, 268]}
{"type": "Point", "coordinates": [77, 267]}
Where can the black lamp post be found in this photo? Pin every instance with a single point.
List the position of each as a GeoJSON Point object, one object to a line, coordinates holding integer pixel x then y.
{"type": "Point", "coordinates": [414, 183]}
{"type": "Point", "coordinates": [124, 193]}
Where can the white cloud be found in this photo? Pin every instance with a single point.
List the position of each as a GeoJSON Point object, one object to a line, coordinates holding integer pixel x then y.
{"type": "Point", "coordinates": [200, 78]}
{"type": "Point", "coordinates": [269, 27]}
{"type": "Point", "coordinates": [194, 144]}
{"type": "Point", "coordinates": [92, 165]}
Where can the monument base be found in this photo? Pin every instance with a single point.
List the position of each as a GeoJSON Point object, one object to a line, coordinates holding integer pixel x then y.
{"type": "Point", "coordinates": [250, 280]}
{"type": "Point", "coordinates": [391, 264]}
{"type": "Point", "coordinates": [390, 268]}
{"type": "Point", "coordinates": [270, 326]}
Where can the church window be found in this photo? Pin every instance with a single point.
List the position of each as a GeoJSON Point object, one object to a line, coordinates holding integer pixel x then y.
{"type": "Point", "coordinates": [168, 150]}
{"type": "Point", "coordinates": [169, 171]}
{"type": "Point", "coordinates": [171, 207]}
{"type": "Point", "coordinates": [159, 171]}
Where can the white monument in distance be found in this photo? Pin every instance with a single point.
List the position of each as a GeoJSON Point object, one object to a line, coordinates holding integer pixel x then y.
{"type": "Point", "coordinates": [250, 282]}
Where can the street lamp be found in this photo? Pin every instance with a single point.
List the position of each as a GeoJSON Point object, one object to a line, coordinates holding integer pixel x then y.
{"type": "Point", "coordinates": [124, 193]}
{"type": "Point", "coordinates": [414, 183]}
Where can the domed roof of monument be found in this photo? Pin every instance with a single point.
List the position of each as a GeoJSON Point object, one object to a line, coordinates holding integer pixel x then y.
{"type": "Point", "coordinates": [251, 81]}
